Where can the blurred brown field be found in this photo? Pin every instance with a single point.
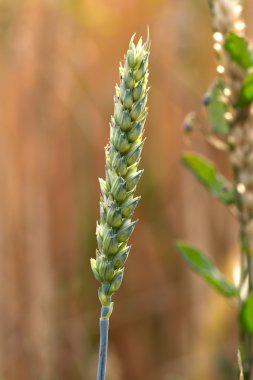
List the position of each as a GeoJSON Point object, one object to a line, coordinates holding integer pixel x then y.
{"type": "Point", "coordinates": [58, 69]}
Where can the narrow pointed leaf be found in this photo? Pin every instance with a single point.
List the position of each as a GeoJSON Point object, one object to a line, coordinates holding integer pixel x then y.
{"type": "Point", "coordinates": [239, 50]}
{"type": "Point", "coordinates": [216, 109]}
{"type": "Point", "coordinates": [246, 93]}
{"type": "Point", "coordinates": [246, 315]}
{"type": "Point", "coordinates": [205, 268]}
{"type": "Point", "coordinates": [207, 174]}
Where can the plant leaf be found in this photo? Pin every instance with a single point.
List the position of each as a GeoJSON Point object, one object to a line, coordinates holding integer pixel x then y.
{"type": "Point", "coordinates": [216, 109]}
{"type": "Point", "coordinates": [246, 92]}
{"type": "Point", "coordinates": [239, 50]}
{"type": "Point", "coordinates": [246, 315]}
{"type": "Point", "coordinates": [206, 173]}
{"type": "Point", "coordinates": [205, 268]}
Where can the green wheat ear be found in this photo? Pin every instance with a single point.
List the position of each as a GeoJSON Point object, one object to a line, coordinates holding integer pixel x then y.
{"type": "Point", "coordinates": [122, 156]}
{"type": "Point", "coordinates": [118, 202]}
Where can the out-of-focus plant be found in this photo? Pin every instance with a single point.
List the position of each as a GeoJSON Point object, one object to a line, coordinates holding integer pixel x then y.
{"type": "Point", "coordinates": [118, 202]}
{"type": "Point", "coordinates": [230, 112]}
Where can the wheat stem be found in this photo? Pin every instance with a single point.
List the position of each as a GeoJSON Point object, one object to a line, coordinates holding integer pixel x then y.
{"type": "Point", "coordinates": [103, 347]}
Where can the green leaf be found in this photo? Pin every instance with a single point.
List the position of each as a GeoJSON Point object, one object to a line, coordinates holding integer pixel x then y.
{"type": "Point", "coordinates": [216, 109]}
{"type": "Point", "coordinates": [206, 173]}
{"type": "Point", "coordinates": [239, 50]}
{"type": "Point", "coordinates": [246, 92]}
{"type": "Point", "coordinates": [205, 268]}
{"type": "Point", "coordinates": [246, 315]}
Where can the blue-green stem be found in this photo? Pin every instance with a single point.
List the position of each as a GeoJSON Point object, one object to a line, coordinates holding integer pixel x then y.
{"type": "Point", "coordinates": [103, 348]}
{"type": "Point", "coordinates": [245, 339]}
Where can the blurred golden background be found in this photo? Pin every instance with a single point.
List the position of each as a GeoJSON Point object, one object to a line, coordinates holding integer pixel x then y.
{"type": "Point", "coordinates": [58, 69]}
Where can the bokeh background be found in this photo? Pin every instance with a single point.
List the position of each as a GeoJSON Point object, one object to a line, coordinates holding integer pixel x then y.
{"type": "Point", "coordinates": [58, 69]}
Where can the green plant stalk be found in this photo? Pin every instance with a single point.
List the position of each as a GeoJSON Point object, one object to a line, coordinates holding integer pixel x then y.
{"type": "Point", "coordinates": [229, 104]}
{"type": "Point", "coordinates": [246, 274]}
{"type": "Point", "coordinates": [103, 346]}
{"type": "Point", "coordinates": [245, 338]}
{"type": "Point", "coordinates": [117, 202]}
{"type": "Point", "coordinates": [231, 21]}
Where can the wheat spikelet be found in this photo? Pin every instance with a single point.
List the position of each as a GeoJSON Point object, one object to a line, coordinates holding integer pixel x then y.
{"type": "Point", "coordinates": [122, 175]}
